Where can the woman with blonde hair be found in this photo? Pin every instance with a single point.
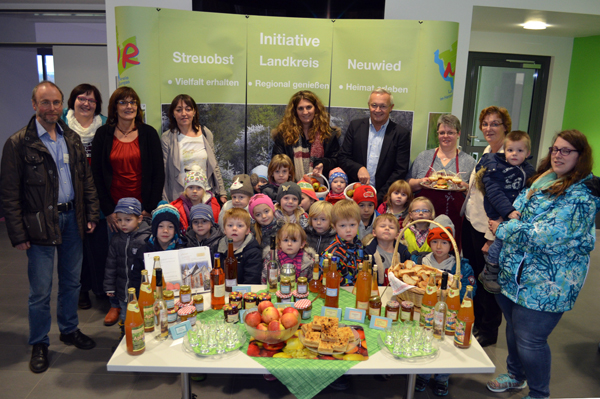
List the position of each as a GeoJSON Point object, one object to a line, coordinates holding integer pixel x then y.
{"type": "Point", "coordinates": [305, 135]}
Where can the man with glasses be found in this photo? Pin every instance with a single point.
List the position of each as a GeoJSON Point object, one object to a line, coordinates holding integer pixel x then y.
{"type": "Point", "coordinates": [49, 201]}
{"type": "Point", "coordinates": [376, 150]}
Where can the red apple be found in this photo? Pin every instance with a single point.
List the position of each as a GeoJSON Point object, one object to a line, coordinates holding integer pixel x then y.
{"type": "Point", "coordinates": [289, 320]}
{"type": "Point", "coordinates": [263, 305]}
{"type": "Point", "coordinates": [253, 319]}
{"type": "Point", "coordinates": [269, 315]}
{"type": "Point", "coordinates": [293, 311]}
{"type": "Point", "coordinates": [274, 325]}
{"type": "Point", "coordinates": [280, 312]}
{"type": "Point", "coordinates": [262, 327]}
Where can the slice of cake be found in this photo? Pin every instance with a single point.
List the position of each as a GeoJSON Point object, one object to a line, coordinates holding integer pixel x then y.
{"type": "Point", "coordinates": [340, 345]}
{"type": "Point", "coordinates": [312, 339]}
{"type": "Point", "coordinates": [329, 333]}
{"type": "Point", "coordinates": [325, 348]}
{"type": "Point", "coordinates": [317, 322]}
{"type": "Point", "coordinates": [345, 332]}
{"type": "Point", "coordinates": [306, 328]}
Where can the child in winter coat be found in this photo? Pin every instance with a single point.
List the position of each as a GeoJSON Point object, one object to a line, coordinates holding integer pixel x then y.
{"type": "Point", "coordinates": [203, 232]}
{"type": "Point", "coordinates": [320, 232]}
{"type": "Point", "coordinates": [291, 248]}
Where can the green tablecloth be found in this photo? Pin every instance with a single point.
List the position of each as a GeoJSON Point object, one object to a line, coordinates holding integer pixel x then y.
{"type": "Point", "coordinates": [295, 373]}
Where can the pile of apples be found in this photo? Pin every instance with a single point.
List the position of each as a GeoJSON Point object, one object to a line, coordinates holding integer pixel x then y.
{"type": "Point", "coordinates": [317, 186]}
{"type": "Point", "coordinates": [269, 318]}
{"type": "Point", "coordinates": [350, 191]}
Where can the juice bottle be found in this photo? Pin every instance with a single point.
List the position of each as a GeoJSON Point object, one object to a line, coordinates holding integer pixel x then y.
{"type": "Point", "coordinates": [157, 265]}
{"type": "Point", "coordinates": [324, 277]}
{"type": "Point", "coordinates": [315, 284]}
{"type": "Point", "coordinates": [440, 311]}
{"type": "Point", "coordinates": [217, 285]}
{"type": "Point", "coordinates": [464, 321]}
{"type": "Point", "coordinates": [160, 309]}
{"type": "Point", "coordinates": [428, 303]}
{"type": "Point", "coordinates": [134, 326]}
{"type": "Point", "coordinates": [374, 280]}
{"type": "Point", "coordinates": [147, 302]}
{"type": "Point", "coordinates": [363, 287]}
{"type": "Point", "coordinates": [332, 294]}
{"type": "Point", "coordinates": [453, 302]}
{"type": "Point", "coordinates": [231, 266]}
{"type": "Point", "coordinates": [273, 267]}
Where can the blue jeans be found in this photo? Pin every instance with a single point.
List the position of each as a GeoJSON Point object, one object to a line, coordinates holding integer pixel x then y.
{"type": "Point", "coordinates": [39, 270]}
{"type": "Point", "coordinates": [123, 306]}
{"type": "Point", "coordinates": [494, 252]}
{"type": "Point", "coordinates": [529, 355]}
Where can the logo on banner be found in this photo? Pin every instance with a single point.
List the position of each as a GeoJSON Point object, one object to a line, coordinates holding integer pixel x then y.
{"type": "Point", "coordinates": [446, 62]}
{"type": "Point", "coordinates": [127, 54]}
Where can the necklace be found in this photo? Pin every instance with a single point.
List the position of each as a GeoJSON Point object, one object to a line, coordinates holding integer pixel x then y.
{"type": "Point", "coordinates": [124, 133]}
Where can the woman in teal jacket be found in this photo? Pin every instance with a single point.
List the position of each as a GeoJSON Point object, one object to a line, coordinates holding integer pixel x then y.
{"type": "Point", "coordinates": [545, 259]}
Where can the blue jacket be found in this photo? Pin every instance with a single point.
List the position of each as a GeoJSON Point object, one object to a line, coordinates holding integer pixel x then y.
{"type": "Point", "coordinates": [546, 254]}
{"type": "Point", "coordinates": [466, 271]}
{"type": "Point", "coordinates": [503, 182]}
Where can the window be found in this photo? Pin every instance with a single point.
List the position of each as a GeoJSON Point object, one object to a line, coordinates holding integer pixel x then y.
{"type": "Point", "coordinates": [45, 61]}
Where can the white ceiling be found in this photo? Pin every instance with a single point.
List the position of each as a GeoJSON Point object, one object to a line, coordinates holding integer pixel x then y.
{"type": "Point", "coordinates": [508, 20]}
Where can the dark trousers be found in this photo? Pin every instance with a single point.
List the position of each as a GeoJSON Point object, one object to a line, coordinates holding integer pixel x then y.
{"type": "Point", "coordinates": [95, 251]}
{"type": "Point", "coordinates": [488, 315]}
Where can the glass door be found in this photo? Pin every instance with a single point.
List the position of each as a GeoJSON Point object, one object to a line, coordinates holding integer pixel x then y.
{"type": "Point", "coordinates": [515, 82]}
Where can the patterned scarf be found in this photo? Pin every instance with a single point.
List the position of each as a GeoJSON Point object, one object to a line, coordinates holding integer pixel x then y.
{"type": "Point", "coordinates": [305, 153]}
{"type": "Point", "coordinates": [86, 133]}
{"type": "Point", "coordinates": [420, 236]}
{"type": "Point", "coordinates": [297, 261]}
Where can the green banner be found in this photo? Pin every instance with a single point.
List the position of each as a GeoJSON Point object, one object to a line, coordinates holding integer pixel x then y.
{"type": "Point", "coordinates": [435, 80]}
{"type": "Point", "coordinates": [286, 55]}
{"type": "Point", "coordinates": [138, 58]}
{"type": "Point", "coordinates": [242, 71]}
{"type": "Point", "coordinates": [203, 55]}
{"type": "Point", "coordinates": [363, 62]}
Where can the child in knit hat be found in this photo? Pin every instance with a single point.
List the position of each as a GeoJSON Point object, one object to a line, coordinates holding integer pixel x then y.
{"type": "Point", "coordinates": [338, 180]}
{"type": "Point", "coordinates": [265, 224]}
{"type": "Point", "coordinates": [203, 232]}
{"type": "Point", "coordinates": [241, 191]}
{"type": "Point", "coordinates": [309, 196]}
{"type": "Point", "coordinates": [194, 192]}
{"type": "Point", "coordinates": [259, 176]}
{"type": "Point", "coordinates": [289, 196]}
{"type": "Point", "coordinates": [124, 244]}
{"type": "Point", "coordinates": [443, 258]}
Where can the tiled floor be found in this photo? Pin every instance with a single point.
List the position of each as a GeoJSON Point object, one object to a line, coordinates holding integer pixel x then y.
{"type": "Point", "coordinates": [82, 374]}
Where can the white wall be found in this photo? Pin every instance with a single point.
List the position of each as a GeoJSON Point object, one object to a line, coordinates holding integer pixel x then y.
{"type": "Point", "coordinates": [559, 48]}
{"type": "Point", "coordinates": [74, 65]}
{"type": "Point", "coordinates": [111, 33]}
{"type": "Point", "coordinates": [461, 11]}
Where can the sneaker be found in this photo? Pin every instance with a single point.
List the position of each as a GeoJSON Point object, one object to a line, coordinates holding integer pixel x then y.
{"type": "Point", "coordinates": [489, 278]}
{"type": "Point", "coordinates": [505, 382]}
{"type": "Point", "coordinates": [440, 388]}
{"type": "Point", "coordinates": [420, 384]}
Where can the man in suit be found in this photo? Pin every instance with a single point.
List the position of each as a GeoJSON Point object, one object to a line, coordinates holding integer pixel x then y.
{"type": "Point", "coordinates": [376, 150]}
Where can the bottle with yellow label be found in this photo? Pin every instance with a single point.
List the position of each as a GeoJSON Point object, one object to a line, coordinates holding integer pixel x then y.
{"type": "Point", "coordinates": [147, 302]}
{"type": "Point", "coordinates": [428, 303]}
{"type": "Point", "coordinates": [134, 325]}
{"type": "Point", "coordinates": [453, 302]}
{"type": "Point", "coordinates": [464, 321]}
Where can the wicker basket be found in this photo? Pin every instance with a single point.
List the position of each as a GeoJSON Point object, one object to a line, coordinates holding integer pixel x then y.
{"type": "Point", "coordinates": [415, 294]}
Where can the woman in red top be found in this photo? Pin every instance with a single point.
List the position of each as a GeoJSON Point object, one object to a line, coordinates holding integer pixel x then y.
{"type": "Point", "coordinates": [126, 162]}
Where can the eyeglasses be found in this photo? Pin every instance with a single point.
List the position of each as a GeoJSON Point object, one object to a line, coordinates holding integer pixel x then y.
{"type": "Point", "coordinates": [449, 133]}
{"type": "Point", "coordinates": [55, 103]}
{"type": "Point", "coordinates": [86, 100]}
{"type": "Point", "coordinates": [493, 124]}
{"type": "Point", "coordinates": [421, 211]}
{"type": "Point", "coordinates": [124, 103]}
{"type": "Point", "coordinates": [563, 151]}
{"type": "Point", "coordinates": [380, 106]}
